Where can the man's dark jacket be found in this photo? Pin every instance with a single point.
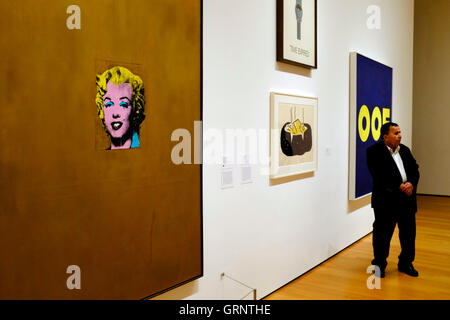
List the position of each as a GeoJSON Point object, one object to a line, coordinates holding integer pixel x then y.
{"type": "Point", "coordinates": [387, 179]}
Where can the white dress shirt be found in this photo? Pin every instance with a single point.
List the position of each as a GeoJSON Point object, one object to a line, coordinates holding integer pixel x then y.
{"type": "Point", "coordinates": [398, 161]}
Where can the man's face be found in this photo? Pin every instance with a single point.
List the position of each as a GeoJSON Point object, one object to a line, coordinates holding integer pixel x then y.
{"type": "Point", "coordinates": [393, 138]}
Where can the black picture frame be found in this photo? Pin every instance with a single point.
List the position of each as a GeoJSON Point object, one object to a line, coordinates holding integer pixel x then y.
{"type": "Point", "coordinates": [300, 50]}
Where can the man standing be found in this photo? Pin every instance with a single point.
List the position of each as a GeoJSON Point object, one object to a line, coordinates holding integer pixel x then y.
{"type": "Point", "coordinates": [395, 175]}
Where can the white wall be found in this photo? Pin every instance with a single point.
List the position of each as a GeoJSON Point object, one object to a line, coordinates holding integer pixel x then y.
{"type": "Point", "coordinates": [431, 139]}
{"type": "Point", "coordinates": [264, 234]}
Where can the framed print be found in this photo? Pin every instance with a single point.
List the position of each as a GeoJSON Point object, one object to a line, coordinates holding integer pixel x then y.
{"type": "Point", "coordinates": [293, 135]}
{"type": "Point", "coordinates": [92, 203]}
{"type": "Point", "coordinates": [370, 108]}
{"type": "Point", "coordinates": [297, 32]}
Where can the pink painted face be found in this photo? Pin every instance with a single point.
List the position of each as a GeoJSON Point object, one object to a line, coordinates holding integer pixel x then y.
{"type": "Point", "coordinates": [117, 108]}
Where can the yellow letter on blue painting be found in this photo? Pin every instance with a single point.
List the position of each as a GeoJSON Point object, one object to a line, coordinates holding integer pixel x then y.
{"type": "Point", "coordinates": [364, 133]}
{"type": "Point", "coordinates": [386, 115]}
{"type": "Point", "coordinates": [376, 114]}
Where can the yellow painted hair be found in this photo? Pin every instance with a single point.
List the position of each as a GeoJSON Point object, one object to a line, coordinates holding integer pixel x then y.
{"type": "Point", "coordinates": [118, 75]}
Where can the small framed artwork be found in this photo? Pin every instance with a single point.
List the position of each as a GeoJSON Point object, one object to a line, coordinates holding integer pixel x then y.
{"type": "Point", "coordinates": [297, 32]}
{"type": "Point", "coordinates": [293, 135]}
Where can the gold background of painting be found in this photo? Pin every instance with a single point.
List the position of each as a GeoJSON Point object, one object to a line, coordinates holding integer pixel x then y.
{"type": "Point", "coordinates": [130, 219]}
{"type": "Point", "coordinates": [284, 115]}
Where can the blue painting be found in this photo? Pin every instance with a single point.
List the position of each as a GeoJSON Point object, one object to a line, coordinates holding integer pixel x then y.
{"type": "Point", "coordinates": [370, 108]}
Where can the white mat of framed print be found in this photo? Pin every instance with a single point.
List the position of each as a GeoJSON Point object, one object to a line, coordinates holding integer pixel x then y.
{"type": "Point", "coordinates": [297, 32]}
{"type": "Point", "coordinates": [293, 135]}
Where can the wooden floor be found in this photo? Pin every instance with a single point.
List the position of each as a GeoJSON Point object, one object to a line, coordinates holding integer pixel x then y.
{"type": "Point", "coordinates": [344, 276]}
